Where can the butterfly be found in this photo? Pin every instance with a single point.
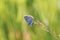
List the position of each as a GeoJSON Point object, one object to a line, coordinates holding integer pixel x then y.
{"type": "Point", "coordinates": [29, 19]}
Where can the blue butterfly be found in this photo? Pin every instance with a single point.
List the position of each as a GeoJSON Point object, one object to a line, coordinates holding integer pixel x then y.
{"type": "Point", "coordinates": [29, 20]}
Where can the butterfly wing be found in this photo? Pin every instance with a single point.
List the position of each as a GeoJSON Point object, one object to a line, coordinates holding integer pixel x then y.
{"type": "Point", "coordinates": [29, 20]}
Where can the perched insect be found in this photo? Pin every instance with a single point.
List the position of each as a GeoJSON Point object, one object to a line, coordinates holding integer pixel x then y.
{"type": "Point", "coordinates": [29, 19]}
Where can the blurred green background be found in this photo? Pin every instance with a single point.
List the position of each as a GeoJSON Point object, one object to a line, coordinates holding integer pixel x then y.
{"type": "Point", "coordinates": [14, 27]}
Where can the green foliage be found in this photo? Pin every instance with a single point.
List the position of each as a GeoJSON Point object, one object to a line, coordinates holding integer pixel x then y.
{"type": "Point", "coordinates": [14, 27]}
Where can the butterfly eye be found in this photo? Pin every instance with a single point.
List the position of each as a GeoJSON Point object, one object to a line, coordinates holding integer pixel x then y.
{"type": "Point", "coordinates": [29, 20]}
